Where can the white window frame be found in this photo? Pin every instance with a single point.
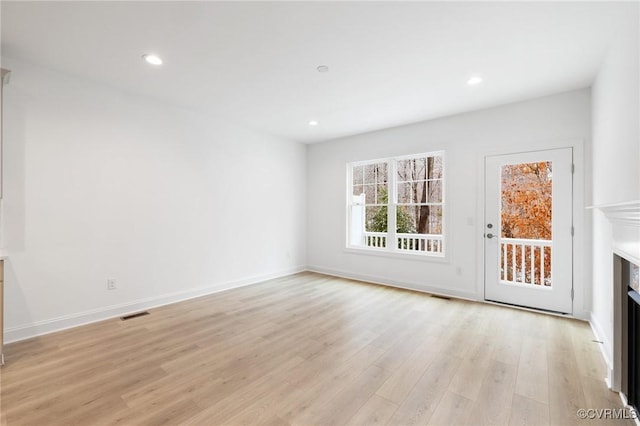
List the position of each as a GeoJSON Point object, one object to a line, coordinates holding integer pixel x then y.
{"type": "Point", "coordinates": [391, 248]}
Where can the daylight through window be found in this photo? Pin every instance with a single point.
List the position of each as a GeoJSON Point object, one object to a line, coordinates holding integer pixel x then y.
{"type": "Point", "coordinates": [397, 204]}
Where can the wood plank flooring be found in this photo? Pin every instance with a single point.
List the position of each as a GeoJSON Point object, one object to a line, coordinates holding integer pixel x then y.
{"type": "Point", "coordinates": [311, 350]}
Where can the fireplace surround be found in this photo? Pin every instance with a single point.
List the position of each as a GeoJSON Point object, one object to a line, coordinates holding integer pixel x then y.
{"type": "Point", "coordinates": [625, 231]}
{"type": "Point", "coordinates": [630, 336]}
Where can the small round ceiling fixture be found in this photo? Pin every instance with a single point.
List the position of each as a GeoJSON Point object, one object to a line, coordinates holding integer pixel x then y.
{"type": "Point", "coordinates": [152, 59]}
{"type": "Point", "coordinates": [473, 81]}
{"type": "Point", "coordinates": [322, 68]}
{"type": "Point", "coordinates": [313, 123]}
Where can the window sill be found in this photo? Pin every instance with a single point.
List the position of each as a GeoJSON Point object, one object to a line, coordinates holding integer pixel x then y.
{"type": "Point", "coordinates": [398, 255]}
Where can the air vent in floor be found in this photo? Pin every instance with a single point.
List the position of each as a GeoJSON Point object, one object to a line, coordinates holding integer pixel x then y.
{"type": "Point", "coordinates": [437, 296]}
{"type": "Point", "coordinates": [136, 315]}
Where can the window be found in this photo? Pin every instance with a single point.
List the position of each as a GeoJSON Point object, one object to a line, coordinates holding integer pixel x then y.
{"type": "Point", "coordinates": [397, 204]}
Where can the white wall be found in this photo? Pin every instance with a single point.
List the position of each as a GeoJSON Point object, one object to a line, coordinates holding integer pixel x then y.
{"type": "Point", "coordinates": [103, 184]}
{"type": "Point", "coordinates": [616, 159]}
{"type": "Point", "coordinates": [556, 121]}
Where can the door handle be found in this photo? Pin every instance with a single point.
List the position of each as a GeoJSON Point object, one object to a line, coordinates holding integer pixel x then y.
{"type": "Point", "coordinates": [490, 236]}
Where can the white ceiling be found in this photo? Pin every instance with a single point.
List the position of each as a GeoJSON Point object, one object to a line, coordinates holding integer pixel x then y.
{"type": "Point", "coordinates": [391, 63]}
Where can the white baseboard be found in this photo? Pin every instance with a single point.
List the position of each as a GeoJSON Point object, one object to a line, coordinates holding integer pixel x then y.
{"type": "Point", "coordinates": [606, 347]}
{"type": "Point", "coordinates": [442, 291]}
{"type": "Point", "coordinates": [582, 315]}
{"type": "Point", "coordinates": [40, 328]}
{"type": "Point", "coordinates": [53, 325]}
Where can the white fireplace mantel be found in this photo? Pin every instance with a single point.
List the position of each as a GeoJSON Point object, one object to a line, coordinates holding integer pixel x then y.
{"type": "Point", "coordinates": [627, 213]}
{"type": "Point", "coordinates": [625, 222]}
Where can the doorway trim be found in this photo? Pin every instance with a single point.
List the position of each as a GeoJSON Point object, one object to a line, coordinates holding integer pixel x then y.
{"type": "Point", "coordinates": [582, 237]}
{"type": "Point", "coordinates": [528, 252]}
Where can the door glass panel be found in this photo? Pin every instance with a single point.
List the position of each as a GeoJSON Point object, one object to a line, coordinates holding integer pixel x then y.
{"type": "Point", "coordinates": [526, 231]}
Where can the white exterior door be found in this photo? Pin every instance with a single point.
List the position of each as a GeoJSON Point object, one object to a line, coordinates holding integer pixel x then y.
{"type": "Point", "coordinates": [528, 229]}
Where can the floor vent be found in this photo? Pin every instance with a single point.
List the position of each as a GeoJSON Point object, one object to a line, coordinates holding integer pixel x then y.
{"type": "Point", "coordinates": [437, 296]}
{"type": "Point", "coordinates": [136, 315]}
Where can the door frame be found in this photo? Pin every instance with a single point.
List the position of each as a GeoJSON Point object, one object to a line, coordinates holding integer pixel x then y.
{"type": "Point", "coordinates": [582, 237]}
{"type": "Point", "coordinates": [559, 296]}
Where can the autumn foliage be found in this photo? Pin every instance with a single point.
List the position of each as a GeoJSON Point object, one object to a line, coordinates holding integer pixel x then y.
{"type": "Point", "coordinates": [526, 214]}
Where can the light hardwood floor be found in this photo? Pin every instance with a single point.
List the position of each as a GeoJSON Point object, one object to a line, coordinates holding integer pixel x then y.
{"type": "Point", "coordinates": [311, 350]}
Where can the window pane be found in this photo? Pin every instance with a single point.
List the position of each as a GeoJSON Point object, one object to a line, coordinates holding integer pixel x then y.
{"type": "Point", "coordinates": [375, 173]}
{"type": "Point", "coordinates": [420, 169]}
{"type": "Point", "coordinates": [435, 191]}
{"type": "Point", "coordinates": [357, 174]}
{"type": "Point", "coordinates": [376, 218]}
{"type": "Point", "coordinates": [435, 167]}
{"type": "Point", "coordinates": [382, 194]}
{"type": "Point", "coordinates": [419, 219]}
{"type": "Point", "coordinates": [383, 173]}
{"type": "Point", "coordinates": [358, 189]}
{"type": "Point", "coordinates": [420, 194]}
{"type": "Point", "coordinates": [370, 194]}
{"type": "Point", "coordinates": [405, 220]}
{"type": "Point", "coordinates": [405, 193]}
{"type": "Point", "coordinates": [434, 225]}
{"type": "Point", "coordinates": [526, 201]}
{"type": "Point", "coordinates": [412, 169]}
{"type": "Point", "coordinates": [402, 171]}
{"type": "Point", "coordinates": [412, 192]}
{"type": "Point", "coordinates": [370, 173]}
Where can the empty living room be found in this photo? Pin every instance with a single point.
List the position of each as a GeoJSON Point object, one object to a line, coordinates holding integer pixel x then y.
{"type": "Point", "coordinates": [319, 213]}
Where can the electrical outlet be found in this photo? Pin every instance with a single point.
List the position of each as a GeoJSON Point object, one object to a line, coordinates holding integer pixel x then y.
{"type": "Point", "coordinates": [111, 284]}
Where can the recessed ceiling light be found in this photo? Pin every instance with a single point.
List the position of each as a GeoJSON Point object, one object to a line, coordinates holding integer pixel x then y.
{"type": "Point", "coordinates": [323, 68]}
{"type": "Point", "coordinates": [152, 59]}
{"type": "Point", "coordinates": [474, 80]}
{"type": "Point", "coordinates": [313, 123]}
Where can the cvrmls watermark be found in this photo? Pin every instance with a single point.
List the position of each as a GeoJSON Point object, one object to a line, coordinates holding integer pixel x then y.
{"type": "Point", "coordinates": [607, 413]}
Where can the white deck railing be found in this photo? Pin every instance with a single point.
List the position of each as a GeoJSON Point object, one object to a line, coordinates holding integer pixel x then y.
{"type": "Point", "coordinates": [426, 243]}
{"type": "Point", "coordinates": [525, 261]}
{"type": "Point", "coordinates": [375, 239]}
